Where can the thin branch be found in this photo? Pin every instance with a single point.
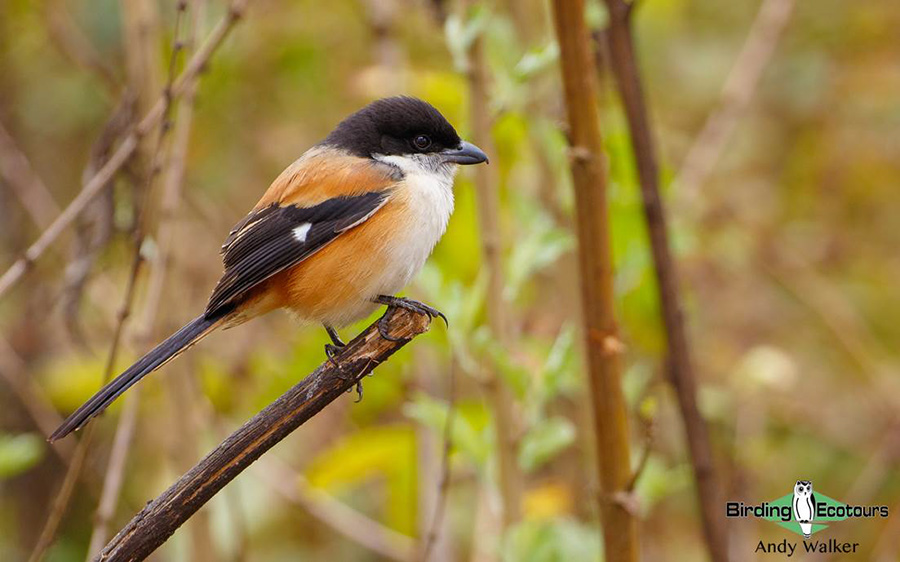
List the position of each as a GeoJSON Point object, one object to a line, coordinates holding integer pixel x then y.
{"type": "Point", "coordinates": [603, 346]}
{"type": "Point", "coordinates": [125, 150]}
{"type": "Point", "coordinates": [24, 181]}
{"type": "Point", "coordinates": [740, 88]}
{"type": "Point", "coordinates": [61, 502]}
{"type": "Point", "coordinates": [36, 404]}
{"type": "Point", "coordinates": [159, 520]}
{"type": "Point", "coordinates": [112, 483]}
{"type": "Point", "coordinates": [680, 367]}
{"type": "Point", "coordinates": [115, 473]}
{"type": "Point", "coordinates": [94, 227]}
{"type": "Point", "coordinates": [440, 504]}
{"type": "Point", "coordinates": [649, 431]}
{"type": "Point", "coordinates": [345, 520]}
{"type": "Point", "coordinates": [488, 199]}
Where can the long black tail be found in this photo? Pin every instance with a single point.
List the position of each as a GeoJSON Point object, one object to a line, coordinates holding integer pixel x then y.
{"type": "Point", "coordinates": [188, 335]}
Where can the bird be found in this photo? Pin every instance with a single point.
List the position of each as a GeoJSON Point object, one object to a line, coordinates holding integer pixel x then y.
{"type": "Point", "coordinates": [337, 234]}
{"type": "Point", "coordinates": [804, 503]}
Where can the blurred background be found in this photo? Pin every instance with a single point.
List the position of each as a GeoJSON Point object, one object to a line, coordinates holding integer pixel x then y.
{"type": "Point", "coordinates": [778, 127]}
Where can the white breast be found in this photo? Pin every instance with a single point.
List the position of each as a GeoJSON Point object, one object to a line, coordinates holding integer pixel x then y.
{"type": "Point", "coordinates": [428, 194]}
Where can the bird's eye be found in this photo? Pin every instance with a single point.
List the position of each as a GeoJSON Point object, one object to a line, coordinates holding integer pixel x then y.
{"type": "Point", "coordinates": [421, 142]}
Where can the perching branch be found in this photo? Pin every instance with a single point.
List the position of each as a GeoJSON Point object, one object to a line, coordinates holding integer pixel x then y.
{"type": "Point", "coordinates": [159, 520]}
{"type": "Point", "coordinates": [603, 347]}
{"type": "Point", "coordinates": [101, 180]}
{"type": "Point", "coordinates": [681, 371]}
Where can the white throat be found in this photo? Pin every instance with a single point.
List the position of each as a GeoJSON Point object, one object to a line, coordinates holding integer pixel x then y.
{"type": "Point", "coordinates": [428, 195]}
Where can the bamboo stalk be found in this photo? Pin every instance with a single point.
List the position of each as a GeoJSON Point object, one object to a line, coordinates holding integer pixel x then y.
{"type": "Point", "coordinates": [595, 260]}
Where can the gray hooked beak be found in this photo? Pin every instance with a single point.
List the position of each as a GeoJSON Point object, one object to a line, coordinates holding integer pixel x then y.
{"type": "Point", "coordinates": [466, 154]}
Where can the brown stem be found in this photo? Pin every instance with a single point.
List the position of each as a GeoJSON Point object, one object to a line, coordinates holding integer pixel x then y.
{"type": "Point", "coordinates": [488, 197]}
{"type": "Point", "coordinates": [158, 521]}
{"type": "Point", "coordinates": [681, 372]}
{"type": "Point", "coordinates": [595, 260]}
{"type": "Point", "coordinates": [435, 530]}
{"type": "Point", "coordinates": [115, 469]}
{"type": "Point", "coordinates": [61, 502]}
{"type": "Point", "coordinates": [115, 474]}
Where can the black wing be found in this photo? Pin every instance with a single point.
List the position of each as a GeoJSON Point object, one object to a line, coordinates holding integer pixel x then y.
{"type": "Point", "coordinates": [276, 237]}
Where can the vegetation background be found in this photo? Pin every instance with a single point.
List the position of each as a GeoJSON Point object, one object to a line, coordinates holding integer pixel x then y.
{"type": "Point", "coordinates": [781, 194]}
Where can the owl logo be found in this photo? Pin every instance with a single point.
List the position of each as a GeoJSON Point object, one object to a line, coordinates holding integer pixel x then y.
{"type": "Point", "coordinates": [804, 503]}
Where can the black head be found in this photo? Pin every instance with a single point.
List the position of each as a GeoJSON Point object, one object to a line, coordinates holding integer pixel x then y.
{"type": "Point", "coordinates": [402, 126]}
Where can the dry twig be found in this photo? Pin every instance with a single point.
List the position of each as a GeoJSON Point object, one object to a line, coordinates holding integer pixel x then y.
{"type": "Point", "coordinates": [345, 520]}
{"type": "Point", "coordinates": [156, 522]}
{"type": "Point", "coordinates": [24, 181]}
{"type": "Point", "coordinates": [61, 502]}
{"type": "Point", "coordinates": [440, 504]}
{"type": "Point", "coordinates": [681, 371]}
{"type": "Point", "coordinates": [112, 482]}
{"type": "Point", "coordinates": [125, 150]}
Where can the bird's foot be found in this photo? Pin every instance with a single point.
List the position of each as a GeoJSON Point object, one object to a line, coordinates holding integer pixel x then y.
{"type": "Point", "coordinates": [332, 349]}
{"type": "Point", "coordinates": [358, 392]}
{"type": "Point", "coordinates": [406, 304]}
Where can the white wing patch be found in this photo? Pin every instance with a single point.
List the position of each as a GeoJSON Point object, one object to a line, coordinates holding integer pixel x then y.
{"type": "Point", "coordinates": [301, 231]}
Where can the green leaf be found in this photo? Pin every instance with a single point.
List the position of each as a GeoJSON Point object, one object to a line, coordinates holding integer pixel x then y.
{"type": "Point", "coordinates": [539, 248]}
{"type": "Point", "coordinates": [18, 453]}
{"type": "Point", "coordinates": [469, 434]}
{"type": "Point", "coordinates": [561, 372]}
{"type": "Point", "coordinates": [536, 61]}
{"type": "Point", "coordinates": [545, 440]}
{"type": "Point", "coordinates": [460, 34]}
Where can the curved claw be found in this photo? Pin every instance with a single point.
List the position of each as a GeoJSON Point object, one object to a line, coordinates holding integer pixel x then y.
{"type": "Point", "coordinates": [383, 331]}
{"type": "Point", "coordinates": [413, 306]}
{"type": "Point", "coordinates": [331, 351]}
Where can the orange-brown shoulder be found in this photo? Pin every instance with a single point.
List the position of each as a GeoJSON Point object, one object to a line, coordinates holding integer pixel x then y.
{"type": "Point", "coordinates": [323, 173]}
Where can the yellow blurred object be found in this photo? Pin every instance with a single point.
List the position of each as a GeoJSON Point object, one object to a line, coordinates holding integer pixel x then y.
{"type": "Point", "coordinates": [547, 500]}
{"type": "Point", "coordinates": [70, 381]}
